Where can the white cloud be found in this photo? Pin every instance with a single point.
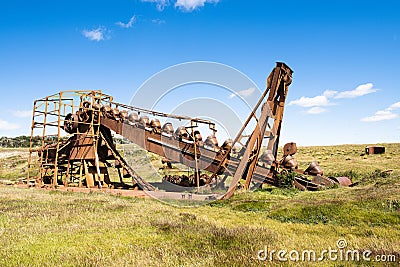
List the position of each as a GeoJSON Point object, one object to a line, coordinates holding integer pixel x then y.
{"type": "Point", "coordinates": [244, 93]}
{"type": "Point", "coordinates": [361, 90]}
{"type": "Point", "coordinates": [183, 5]}
{"type": "Point", "coordinates": [381, 115]}
{"type": "Point", "coordinates": [394, 106]}
{"type": "Point", "coordinates": [316, 110]}
{"type": "Point", "coordinates": [316, 101]}
{"type": "Point", "coordinates": [7, 126]}
{"type": "Point", "coordinates": [127, 25]}
{"type": "Point", "coordinates": [22, 113]}
{"type": "Point", "coordinates": [386, 114]}
{"type": "Point", "coordinates": [158, 21]}
{"type": "Point", "coordinates": [161, 4]}
{"type": "Point", "coordinates": [190, 5]}
{"type": "Point", "coordinates": [329, 93]}
{"type": "Point", "coordinates": [323, 100]}
{"type": "Point", "coordinates": [95, 34]}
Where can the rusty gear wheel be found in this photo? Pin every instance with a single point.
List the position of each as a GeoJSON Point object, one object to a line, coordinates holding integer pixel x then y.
{"type": "Point", "coordinates": [71, 123]}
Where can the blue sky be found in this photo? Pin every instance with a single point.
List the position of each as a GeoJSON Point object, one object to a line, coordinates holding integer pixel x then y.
{"type": "Point", "coordinates": [345, 56]}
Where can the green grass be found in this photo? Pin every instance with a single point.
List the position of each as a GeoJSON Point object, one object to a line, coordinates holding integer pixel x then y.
{"type": "Point", "coordinates": [48, 228]}
{"type": "Point", "coordinates": [345, 159]}
{"type": "Point", "coordinates": [14, 163]}
{"type": "Point", "coordinates": [53, 228]}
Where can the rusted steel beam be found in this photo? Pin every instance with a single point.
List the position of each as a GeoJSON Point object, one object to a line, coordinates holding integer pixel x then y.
{"type": "Point", "coordinates": [277, 85]}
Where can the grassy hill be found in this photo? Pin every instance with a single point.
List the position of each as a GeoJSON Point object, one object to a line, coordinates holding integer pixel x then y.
{"type": "Point", "coordinates": [48, 228]}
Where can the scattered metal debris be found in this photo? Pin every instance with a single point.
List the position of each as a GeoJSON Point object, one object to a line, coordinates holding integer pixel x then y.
{"type": "Point", "coordinates": [374, 150]}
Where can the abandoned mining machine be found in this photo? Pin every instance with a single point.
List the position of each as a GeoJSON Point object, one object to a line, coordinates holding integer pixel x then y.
{"type": "Point", "coordinates": [78, 149]}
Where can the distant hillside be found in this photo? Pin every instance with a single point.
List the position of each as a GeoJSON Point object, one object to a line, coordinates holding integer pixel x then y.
{"type": "Point", "coordinates": [19, 141]}
{"type": "Point", "coordinates": [23, 141]}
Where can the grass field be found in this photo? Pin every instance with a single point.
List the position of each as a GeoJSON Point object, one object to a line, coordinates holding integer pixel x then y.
{"type": "Point", "coordinates": [53, 228]}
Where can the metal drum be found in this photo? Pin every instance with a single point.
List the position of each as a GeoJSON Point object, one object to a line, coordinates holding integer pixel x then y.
{"type": "Point", "coordinates": [181, 133]}
{"type": "Point", "coordinates": [133, 117]}
{"type": "Point", "coordinates": [144, 121]}
{"type": "Point", "coordinates": [267, 157]}
{"type": "Point", "coordinates": [314, 169]}
{"type": "Point", "coordinates": [115, 113]}
{"type": "Point", "coordinates": [123, 114]}
{"type": "Point", "coordinates": [156, 125]}
{"type": "Point", "coordinates": [211, 141]}
{"type": "Point", "coordinates": [168, 128]}
{"type": "Point", "coordinates": [289, 162]}
{"type": "Point", "coordinates": [227, 145]}
{"type": "Point", "coordinates": [106, 108]}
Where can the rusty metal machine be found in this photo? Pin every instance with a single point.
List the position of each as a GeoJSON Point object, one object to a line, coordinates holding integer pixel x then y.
{"type": "Point", "coordinates": [80, 150]}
